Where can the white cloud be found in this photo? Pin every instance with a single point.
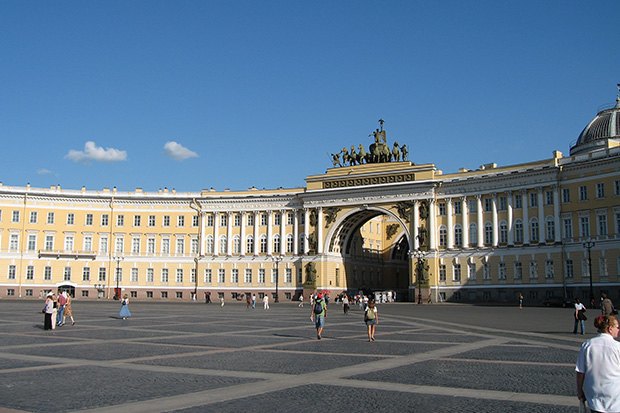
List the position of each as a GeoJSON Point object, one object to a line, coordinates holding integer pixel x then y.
{"type": "Point", "coordinates": [92, 152]}
{"type": "Point", "coordinates": [178, 152]}
{"type": "Point", "coordinates": [44, 171]}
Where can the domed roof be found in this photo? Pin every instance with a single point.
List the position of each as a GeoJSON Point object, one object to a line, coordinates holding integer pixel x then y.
{"type": "Point", "coordinates": [604, 126]}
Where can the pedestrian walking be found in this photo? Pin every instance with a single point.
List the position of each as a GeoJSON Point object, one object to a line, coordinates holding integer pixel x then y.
{"type": "Point", "coordinates": [598, 368]}
{"type": "Point", "coordinates": [248, 301]}
{"type": "Point", "coordinates": [580, 317]}
{"type": "Point", "coordinates": [520, 301]}
{"type": "Point", "coordinates": [60, 310]}
{"type": "Point", "coordinates": [301, 301]}
{"type": "Point", "coordinates": [54, 311]}
{"type": "Point", "coordinates": [607, 307]}
{"type": "Point", "coordinates": [318, 314]}
{"type": "Point", "coordinates": [345, 304]}
{"type": "Point", "coordinates": [222, 301]}
{"type": "Point", "coordinates": [68, 310]}
{"type": "Point", "coordinates": [265, 302]}
{"type": "Point", "coordinates": [371, 317]}
{"type": "Point", "coordinates": [253, 301]}
{"type": "Point", "coordinates": [124, 313]}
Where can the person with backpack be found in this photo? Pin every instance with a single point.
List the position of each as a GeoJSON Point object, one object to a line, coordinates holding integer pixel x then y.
{"type": "Point", "coordinates": [371, 317]}
{"type": "Point", "coordinates": [319, 312]}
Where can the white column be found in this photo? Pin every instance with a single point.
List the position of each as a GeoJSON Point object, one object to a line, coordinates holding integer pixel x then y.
{"type": "Point", "coordinates": [465, 211]}
{"type": "Point", "coordinates": [269, 233]}
{"type": "Point", "coordinates": [216, 233]}
{"type": "Point", "coordinates": [511, 235]}
{"type": "Point", "coordinates": [256, 240]}
{"type": "Point", "coordinates": [283, 232]}
{"type": "Point", "coordinates": [556, 214]}
{"type": "Point", "coordinates": [416, 224]}
{"type": "Point", "coordinates": [229, 242]}
{"type": "Point", "coordinates": [541, 217]}
{"type": "Point", "coordinates": [319, 223]}
{"type": "Point", "coordinates": [242, 218]}
{"type": "Point", "coordinates": [450, 244]}
{"type": "Point", "coordinates": [306, 230]}
{"type": "Point", "coordinates": [526, 218]}
{"type": "Point", "coordinates": [295, 232]}
{"type": "Point", "coordinates": [432, 231]}
{"type": "Point", "coordinates": [203, 232]}
{"type": "Point", "coordinates": [480, 222]}
{"type": "Point", "coordinates": [495, 223]}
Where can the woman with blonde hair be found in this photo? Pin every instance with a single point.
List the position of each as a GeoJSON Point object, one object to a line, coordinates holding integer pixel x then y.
{"type": "Point", "coordinates": [598, 368]}
{"type": "Point", "coordinates": [124, 313]}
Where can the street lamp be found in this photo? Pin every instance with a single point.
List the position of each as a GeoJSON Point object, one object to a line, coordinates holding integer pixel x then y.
{"type": "Point", "coordinates": [117, 292]}
{"type": "Point", "coordinates": [419, 255]}
{"type": "Point", "coordinates": [589, 244]}
{"type": "Point", "coordinates": [277, 259]}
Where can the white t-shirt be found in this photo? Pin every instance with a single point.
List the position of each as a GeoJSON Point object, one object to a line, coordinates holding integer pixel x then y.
{"type": "Point", "coordinates": [599, 360]}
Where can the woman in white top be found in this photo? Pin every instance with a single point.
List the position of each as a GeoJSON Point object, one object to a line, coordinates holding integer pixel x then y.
{"type": "Point", "coordinates": [580, 317]}
{"type": "Point", "coordinates": [598, 368]}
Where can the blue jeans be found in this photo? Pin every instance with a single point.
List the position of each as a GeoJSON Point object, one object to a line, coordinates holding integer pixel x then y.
{"type": "Point", "coordinates": [583, 326]}
{"type": "Point", "coordinates": [61, 311]}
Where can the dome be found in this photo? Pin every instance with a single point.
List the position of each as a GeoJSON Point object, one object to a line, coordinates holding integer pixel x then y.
{"type": "Point", "coordinates": [604, 126]}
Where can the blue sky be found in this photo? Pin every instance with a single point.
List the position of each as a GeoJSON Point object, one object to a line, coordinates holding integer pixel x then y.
{"type": "Point", "coordinates": [233, 94]}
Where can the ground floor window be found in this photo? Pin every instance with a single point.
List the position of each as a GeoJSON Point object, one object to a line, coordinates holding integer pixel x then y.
{"type": "Point", "coordinates": [28, 293]}
{"type": "Point", "coordinates": [149, 294]}
{"type": "Point", "coordinates": [10, 292]}
{"type": "Point", "coordinates": [84, 293]}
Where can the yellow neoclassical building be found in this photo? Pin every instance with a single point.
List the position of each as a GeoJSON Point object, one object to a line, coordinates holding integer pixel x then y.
{"type": "Point", "coordinates": [375, 221]}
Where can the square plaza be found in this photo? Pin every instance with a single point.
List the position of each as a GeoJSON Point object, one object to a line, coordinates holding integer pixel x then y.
{"type": "Point", "coordinates": [195, 357]}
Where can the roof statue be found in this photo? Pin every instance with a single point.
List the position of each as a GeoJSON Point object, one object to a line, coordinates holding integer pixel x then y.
{"type": "Point", "coordinates": [378, 151]}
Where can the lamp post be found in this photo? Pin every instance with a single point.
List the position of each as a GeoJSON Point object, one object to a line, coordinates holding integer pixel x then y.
{"type": "Point", "coordinates": [418, 255]}
{"type": "Point", "coordinates": [117, 291]}
{"type": "Point", "coordinates": [589, 244]}
{"type": "Point", "coordinates": [277, 259]}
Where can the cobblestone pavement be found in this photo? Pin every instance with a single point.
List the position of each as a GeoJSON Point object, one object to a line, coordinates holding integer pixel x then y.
{"type": "Point", "coordinates": [193, 357]}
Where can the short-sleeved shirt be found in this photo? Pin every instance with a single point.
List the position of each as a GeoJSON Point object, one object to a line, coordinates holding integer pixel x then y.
{"type": "Point", "coordinates": [323, 305]}
{"type": "Point", "coordinates": [599, 361]}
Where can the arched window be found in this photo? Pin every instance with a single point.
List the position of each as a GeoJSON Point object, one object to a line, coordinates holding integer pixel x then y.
{"type": "Point", "coordinates": [223, 244]}
{"type": "Point", "coordinates": [503, 232]}
{"type": "Point", "coordinates": [276, 243]}
{"type": "Point", "coordinates": [534, 230]}
{"type": "Point", "coordinates": [549, 229]}
{"type": "Point", "coordinates": [249, 245]}
{"type": "Point", "coordinates": [458, 235]}
{"type": "Point", "coordinates": [488, 233]}
{"type": "Point", "coordinates": [473, 234]}
{"type": "Point", "coordinates": [210, 244]}
{"type": "Point", "coordinates": [289, 243]}
{"type": "Point", "coordinates": [263, 244]}
{"type": "Point", "coordinates": [236, 244]}
{"type": "Point", "coordinates": [443, 236]}
{"type": "Point", "coordinates": [519, 231]}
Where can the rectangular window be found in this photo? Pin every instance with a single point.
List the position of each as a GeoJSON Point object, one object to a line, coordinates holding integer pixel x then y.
{"type": "Point", "coordinates": [221, 276]}
{"type": "Point", "coordinates": [583, 193]}
{"type": "Point", "coordinates": [288, 276]}
{"type": "Point", "coordinates": [442, 208]}
{"type": "Point", "coordinates": [457, 207]}
{"type": "Point", "coordinates": [584, 227]}
{"type": "Point", "coordinates": [67, 274]}
{"type": "Point", "coordinates": [234, 276]}
{"type": "Point", "coordinates": [33, 217]}
{"type": "Point", "coordinates": [49, 243]}
{"type": "Point", "coordinates": [50, 217]}
{"type": "Point", "coordinates": [617, 187]}
{"type": "Point", "coordinates": [86, 274]}
{"type": "Point", "coordinates": [192, 276]}
{"type": "Point", "coordinates": [195, 221]}
{"type": "Point", "coordinates": [15, 216]}
{"type": "Point", "coordinates": [70, 219]}
{"type": "Point", "coordinates": [488, 205]}
{"type": "Point", "coordinates": [30, 272]}
{"type": "Point", "coordinates": [32, 242]}
{"type": "Point", "coordinates": [47, 273]}
{"type": "Point", "coordinates": [194, 245]}
{"type": "Point", "coordinates": [568, 228]}
{"type": "Point", "coordinates": [104, 220]}
{"type": "Point", "coordinates": [274, 275]}
{"type": "Point", "coordinates": [290, 218]}
{"type": "Point", "coordinates": [518, 270]}
{"type": "Point", "coordinates": [14, 242]}
{"type": "Point", "coordinates": [518, 201]}
{"type": "Point", "coordinates": [150, 275]}
{"type": "Point", "coordinates": [89, 219]}
{"type": "Point", "coordinates": [119, 244]}
{"type": "Point", "coordinates": [180, 246]}
{"type": "Point", "coordinates": [103, 244]}
{"type": "Point", "coordinates": [566, 195]}
{"type": "Point", "coordinates": [501, 274]}
{"type": "Point", "coordinates": [150, 245]}
{"type": "Point", "coordinates": [164, 275]}
{"type": "Point", "coordinates": [503, 203]}
{"type": "Point", "coordinates": [166, 221]}
{"type": "Point", "coordinates": [120, 220]}
{"type": "Point", "coordinates": [151, 220]}
{"type": "Point", "coordinates": [456, 277]}
{"type": "Point", "coordinates": [486, 271]}
{"type": "Point", "coordinates": [601, 223]}
{"type": "Point", "coordinates": [263, 219]}
{"type": "Point", "coordinates": [250, 219]}
{"type": "Point", "coordinates": [442, 273]}
{"type": "Point", "coordinates": [261, 276]}
{"type": "Point", "coordinates": [208, 276]}
{"type": "Point", "coordinates": [570, 269]}
{"type": "Point", "coordinates": [69, 243]}
{"type": "Point", "coordinates": [137, 220]}
{"type": "Point", "coordinates": [248, 276]}
{"type": "Point", "coordinates": [223, 220]}
{"type": "Point", "coordinates": [600, 190]}
{"type": "Point", "coordinates": [548, 198]}
{"type": "Point", "coordinates": [549, 272]}
{"type": "Point", "coordinates": [533, 199]}
{"type": "Point", "coordinates": [134, 275]}
{"type": "Point", "coordinates": [181, 221]}
{"type": "Point", "coordinates": [179, 278]}
{"type": "Point", "coordinates": [471, 271]}
{"type": "Point", "coordinates": [165, 246]}
{"type": "Point", "coordinates": [277, 218]}
{"type": "Point", "coordinates": [135, 245]}
{"type": "Point", "coordinates": [210, 220]}
{"type": "Point", "coordinates": [164, 294]}
{"type": "Point", "coordinates": [102, 274]}
{"type": "Point", "coordinates": [12, 271]}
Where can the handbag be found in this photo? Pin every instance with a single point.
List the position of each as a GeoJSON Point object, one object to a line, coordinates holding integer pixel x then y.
{"type": "Point", "coordinates": [581, 315]}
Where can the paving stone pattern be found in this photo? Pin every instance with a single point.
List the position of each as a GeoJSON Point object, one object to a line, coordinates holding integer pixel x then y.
{"type": "Point", "coordinates": [194, 357]}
